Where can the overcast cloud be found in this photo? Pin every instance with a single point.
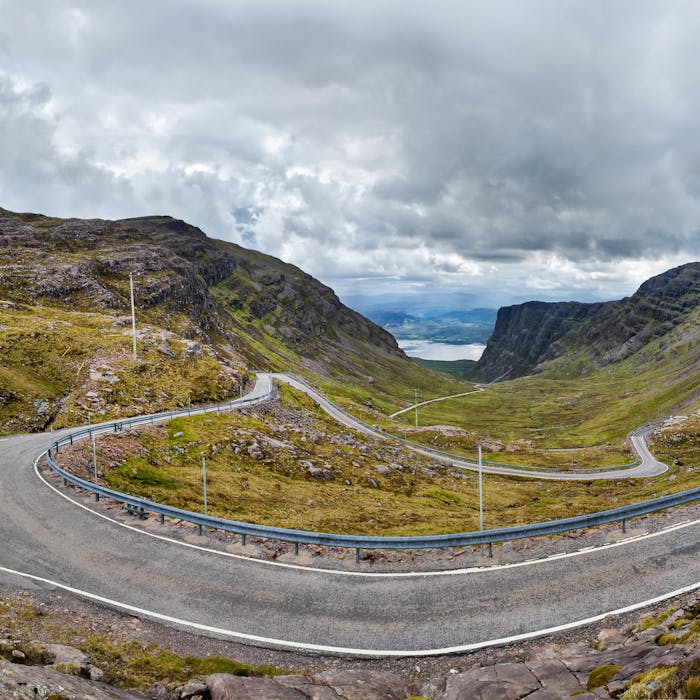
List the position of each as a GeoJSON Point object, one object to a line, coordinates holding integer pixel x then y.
{"type": "Point", "coordinates": [517, 150]}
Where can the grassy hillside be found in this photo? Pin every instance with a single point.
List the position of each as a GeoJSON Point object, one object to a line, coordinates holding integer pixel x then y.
{"type": "Point", "coordinates": [461, 369]}
{"type": "Point", "coordinates": [209, 313]}
{"type": "Point", "coordinates": [613, 367]}
{"type": "Point", "coordinates": [290, 465]}
{"type": "Point", "coordinates": [570, 404]}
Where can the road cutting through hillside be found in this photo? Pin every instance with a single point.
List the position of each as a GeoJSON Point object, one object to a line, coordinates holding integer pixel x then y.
{"type": "Point", "coordinates": [414, 406]}
{"type": "Point", "coordinates": [49, 542]}
{"type": "Point", "coordinates": [648, 465]}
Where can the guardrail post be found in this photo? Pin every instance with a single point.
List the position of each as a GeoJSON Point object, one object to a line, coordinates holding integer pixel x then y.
{"type": "Point", "coordinates": [243, 539]}
{"type": "Point", "coordinates": [199, 529]}
{"type": "Point", "coordinates": [162, 518]}
{"type": "Point", "coordinates": [490, 550]}
{"type": "Point", "coordinates": [357, 555]}
{"type": "Point", "coordinates": [296, 548]}
{"type": "Point", "coordinates": [65, 481]}
{"type": "Point", "coordinates": [71, 438]}
{"type": "Point", "coordinates": [624, 525]}
{"type": "Point", "coordinates": [97, 497]}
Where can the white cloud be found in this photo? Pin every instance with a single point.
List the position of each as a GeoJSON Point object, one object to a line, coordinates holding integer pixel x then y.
{"type": "Point", "coordinates": [550, 147]}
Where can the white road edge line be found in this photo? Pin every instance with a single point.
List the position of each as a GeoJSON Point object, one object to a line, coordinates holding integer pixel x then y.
{"type": "Point", "coordinates": [367, 574]}
{"type": "Point", "coordinates": [349, 651]}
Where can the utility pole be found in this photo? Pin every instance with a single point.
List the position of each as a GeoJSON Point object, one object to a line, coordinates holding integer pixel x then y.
{"type": "Point", "coordinates": [204, 481]}
{"type": "Point", "coordinates": [481, 495]}
{"type": "Point", "coordinates": [94, 457]}
{"type": "Point", "coordinates": [133, 311]}
{"type": "Point", "coordinates": [415, 403]}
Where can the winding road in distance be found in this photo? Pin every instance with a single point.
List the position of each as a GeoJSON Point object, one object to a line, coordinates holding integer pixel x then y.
{"type": "Point", "coordinates": [50, 541]}
{"type": "Point", "coordinates": [648, 465]}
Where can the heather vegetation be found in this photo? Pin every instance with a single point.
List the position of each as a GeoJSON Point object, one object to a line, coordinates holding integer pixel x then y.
{"type": "Point", "coordinates": [59, 366]}
{"type": "Point", "coordinates": [210, 313]}
{"type": "Point", "coordinates": [287, 463]}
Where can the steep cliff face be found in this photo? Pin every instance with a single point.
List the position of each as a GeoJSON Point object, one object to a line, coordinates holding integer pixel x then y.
{"type": "Point", "coordinates": [588, 336]}
{"type": "Point", "coordinates": [524, 335]}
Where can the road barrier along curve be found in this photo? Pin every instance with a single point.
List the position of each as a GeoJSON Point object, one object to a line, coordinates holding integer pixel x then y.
{"type": "Point", "coordinates": [358, 542]}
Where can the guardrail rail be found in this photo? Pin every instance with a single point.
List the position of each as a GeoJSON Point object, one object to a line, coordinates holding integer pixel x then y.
{"type": "Point", "coordinates": [143, 506]}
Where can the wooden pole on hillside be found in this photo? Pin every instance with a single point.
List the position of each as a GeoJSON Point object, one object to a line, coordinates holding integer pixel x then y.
{"type": "Point", "coordinates": [204, 480]}
{"type": "Point", "coordinates": [94, 457]}
{"type": "Point", "coordinates": [415, 402]}
{"type": "Point", "coordinates": [481, 495]}
{"type": "Point", "coordinates": [133, 312]}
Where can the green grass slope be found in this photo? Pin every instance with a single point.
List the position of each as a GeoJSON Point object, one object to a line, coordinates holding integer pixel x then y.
{"type": "Point", "coordinates": [209, 314]}
{"type": "Point", "coordinates": [639, 361]}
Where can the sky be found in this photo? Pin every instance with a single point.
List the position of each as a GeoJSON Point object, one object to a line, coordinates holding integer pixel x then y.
{"type": "Point", "coordinates": [511, 150]}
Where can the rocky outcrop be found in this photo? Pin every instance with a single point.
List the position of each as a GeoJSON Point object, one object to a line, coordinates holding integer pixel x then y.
{"type": "Point", "coordinates": [655, 655]}
{"type": "Point", "coordinates": [37, 670]}
{"type": "Point", "coordinates": [329, 685]}
{"type": "Point", "coordinates": [591, 335]}
{"type": "Point", "coordinates": [84, 264]}
{"type": "Point", "coordinates": [524, 335]}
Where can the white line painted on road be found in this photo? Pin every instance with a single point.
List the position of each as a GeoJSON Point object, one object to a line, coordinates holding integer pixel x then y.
{"type": "Point", "coordinates": [349, 651]}
{"type": "Point", "coordinates": [367, 574]}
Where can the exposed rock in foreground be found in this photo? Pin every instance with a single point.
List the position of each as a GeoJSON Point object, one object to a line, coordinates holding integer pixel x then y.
{"type": "Point", "coordinates": [658, 657]}
{"type": "Point", "coordinates": [21, 681]}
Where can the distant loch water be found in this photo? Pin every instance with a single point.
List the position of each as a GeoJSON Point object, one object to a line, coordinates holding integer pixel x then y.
{"type": "Point", "coordinates": [428, 350]}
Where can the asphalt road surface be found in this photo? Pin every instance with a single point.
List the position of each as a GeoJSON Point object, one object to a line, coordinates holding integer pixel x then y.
{"type": "Point", "coordinates": [47, 536]}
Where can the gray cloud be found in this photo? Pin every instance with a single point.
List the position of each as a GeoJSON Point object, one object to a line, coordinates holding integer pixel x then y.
{"type": "Point", "coordinates": [552, 145]}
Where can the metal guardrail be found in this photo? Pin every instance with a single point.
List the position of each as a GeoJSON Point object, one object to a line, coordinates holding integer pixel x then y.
{"type": "Point", "coordinates": [141, 506]}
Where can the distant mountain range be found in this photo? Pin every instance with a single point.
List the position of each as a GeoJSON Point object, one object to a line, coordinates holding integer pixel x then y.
{"type": "Point", "coordinates": [435, 323]}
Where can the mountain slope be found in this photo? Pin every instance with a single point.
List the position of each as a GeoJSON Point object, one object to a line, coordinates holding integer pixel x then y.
{"type": "Point", "coordinates": [574, 338]}
{"type": "Point", "coordinates": [208, 313]}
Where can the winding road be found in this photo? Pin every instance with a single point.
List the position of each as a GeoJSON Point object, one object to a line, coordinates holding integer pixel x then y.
{"type": "Point", "coordinates": [648, 465]}
{"type": "Point", "coordinates": [51, 541]}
